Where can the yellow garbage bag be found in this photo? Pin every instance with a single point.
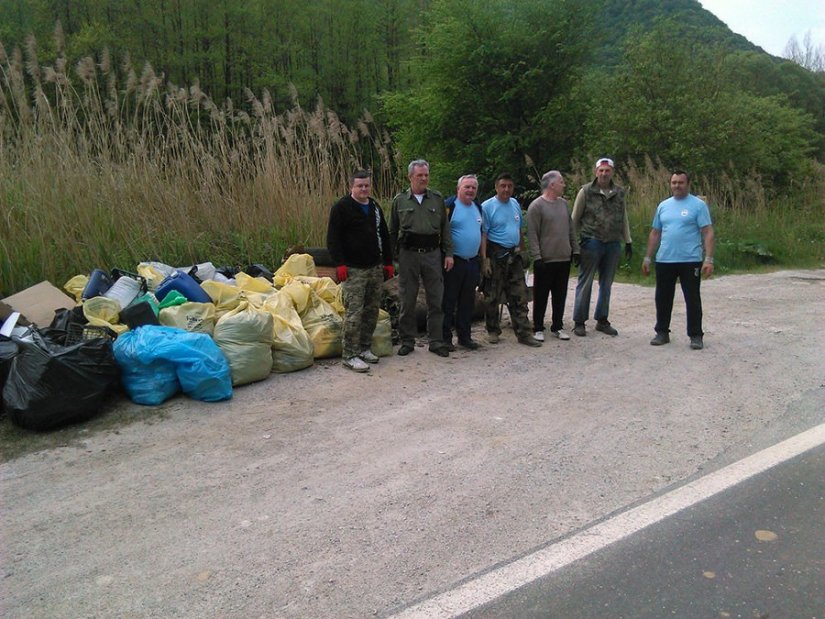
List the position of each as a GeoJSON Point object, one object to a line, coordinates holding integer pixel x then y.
{"type": "Point", "coordinates": [104, 312]}
{"type": "Point", "coordinates": [291, 347]}
{"type": "Point", "coordinates": [296, 264]}
{"type": "Point", "coordinates": [245, 334]}
{"type": "Point", "coordinates": [326, 288]}
{"type": "Point", "coordinates": [253, 284]}
{"type": "Point", "coordinates": [76, 285]}
{"type": "Point", "coordinates": [153, 273]}
{"type": "Point", "coordinates": [382, 336]}
{"type": "Point", "coordinates": [226, 297]}
{"type": "Point", "coordinates": [191, 316]}
{"type": "Point", "coordinates": [299, 294]}
{"type": "Point", "coordinates": [324, 326]}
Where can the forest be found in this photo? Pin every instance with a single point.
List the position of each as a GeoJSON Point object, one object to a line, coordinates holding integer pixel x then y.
{"type": "Point", "coordinates": [223, 130]}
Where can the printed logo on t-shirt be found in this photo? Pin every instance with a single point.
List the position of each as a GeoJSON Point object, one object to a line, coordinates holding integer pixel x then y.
{"type": "Point", "coordinates": [684, 212]}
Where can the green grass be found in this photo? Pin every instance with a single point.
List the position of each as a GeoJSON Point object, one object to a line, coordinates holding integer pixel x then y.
{"type": "Point", "coordinates": [755, 231]}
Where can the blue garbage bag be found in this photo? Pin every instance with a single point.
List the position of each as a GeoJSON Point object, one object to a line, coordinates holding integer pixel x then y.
{"type": "Point", "coordinates": [156, 362]}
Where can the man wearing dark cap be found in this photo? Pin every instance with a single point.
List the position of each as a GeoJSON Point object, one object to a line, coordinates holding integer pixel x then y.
{"type": "Point", "coordinates": [600, 219]}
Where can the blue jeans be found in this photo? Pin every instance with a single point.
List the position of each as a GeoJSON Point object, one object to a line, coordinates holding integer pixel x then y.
{"type": "Point", "coordinates": [603, 257]}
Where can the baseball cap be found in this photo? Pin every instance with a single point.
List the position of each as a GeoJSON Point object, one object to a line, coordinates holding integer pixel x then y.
{"type": "Point", "coordinates": [603, 161]}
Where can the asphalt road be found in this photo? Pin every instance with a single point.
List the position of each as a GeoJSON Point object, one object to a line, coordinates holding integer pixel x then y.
{"type": "Point", "coordinates": [755, 551]}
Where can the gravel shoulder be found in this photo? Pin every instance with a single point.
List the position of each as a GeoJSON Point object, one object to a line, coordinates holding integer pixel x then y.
{"type": "Point", "coordinates": [330, 494]}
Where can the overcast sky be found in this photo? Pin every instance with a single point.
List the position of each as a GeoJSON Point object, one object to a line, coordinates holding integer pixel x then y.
{"type": "Point", "coordinates": [771, 23]}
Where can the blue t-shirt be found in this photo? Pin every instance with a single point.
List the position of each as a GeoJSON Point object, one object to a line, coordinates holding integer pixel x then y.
{"type": "Point", "coordinates": [502, 221]}
{"type": "Point", "coordinates": [681, 222]}
{"type": "Point", "coordinates": [465, 226]}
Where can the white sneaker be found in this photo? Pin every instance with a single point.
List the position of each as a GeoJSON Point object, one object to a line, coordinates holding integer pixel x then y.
{"type": "Point", "coordinates": [356, 364]}
{"type": "Point", "coordinates": [369, 356]}
{"type": "Point", "coordinates": [561, 334]}
{"type": "Point", "coordinates": [539, 335]}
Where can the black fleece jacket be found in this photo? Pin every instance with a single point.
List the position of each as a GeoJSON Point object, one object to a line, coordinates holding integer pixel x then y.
{"type": "Point", "coordinates": [352, 238]}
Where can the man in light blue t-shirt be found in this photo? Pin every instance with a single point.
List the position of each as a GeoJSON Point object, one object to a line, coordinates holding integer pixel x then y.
{"type": "Point", "coordinates": [503, 262]}
{"type": "Point", "coordinates": [683, 230]}
{"type": "Point", "coordinates": [460, 282]}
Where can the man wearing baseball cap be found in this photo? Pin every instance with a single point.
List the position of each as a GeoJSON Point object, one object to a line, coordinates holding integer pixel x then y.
{"type": "Point", "coordinates": [600, 219]}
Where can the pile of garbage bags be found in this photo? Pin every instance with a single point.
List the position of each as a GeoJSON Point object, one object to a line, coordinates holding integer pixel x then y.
{"type": "Point", "coordinates": [160, 330]}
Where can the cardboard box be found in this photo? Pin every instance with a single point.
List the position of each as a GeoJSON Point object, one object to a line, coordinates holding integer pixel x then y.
{"type": "Point", "coordinates": [39, 303]}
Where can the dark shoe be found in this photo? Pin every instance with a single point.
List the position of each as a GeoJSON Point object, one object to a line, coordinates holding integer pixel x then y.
{"type": "Point", "coordinates": [450, 347]}
{"type": "Point", "coordinates": [405, 350]}
{"type": "Point", "coordinates": [696, 342]}
{"type": "Point", "coordinates": [579, 329]}
{"type": "Point", "coordinates": [440, 349]}
{"type": "Point", "coordinates": [660, 339]}
{"type": "Point", "coordinates": [469, 345]}
{"type": "Point", "coordinates": [604, 327]}
{"type": "Point", "coordinates": [529, 340]}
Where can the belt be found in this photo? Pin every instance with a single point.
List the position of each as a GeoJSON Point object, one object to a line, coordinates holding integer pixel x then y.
{"type": "Point", "coordinates": [465, 259]}
{"type": "Point", "coordinates": [420, 250]}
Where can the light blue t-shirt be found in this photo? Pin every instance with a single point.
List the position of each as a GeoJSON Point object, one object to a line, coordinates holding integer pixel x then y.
{"type": "Point", "coordinates": [681, 222]}
{"type": "Point", "coordinates": [465, 226]}
{"type": "Point", "coordinates": [502, 221]}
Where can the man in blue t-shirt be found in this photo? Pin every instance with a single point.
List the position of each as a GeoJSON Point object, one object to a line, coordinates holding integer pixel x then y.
{"type": "Point", "coordinates": [682, 229]}
{"type": "Point", "coordinates": [502, 262]}
{"type": "Point", "coordinates": [460, 282]}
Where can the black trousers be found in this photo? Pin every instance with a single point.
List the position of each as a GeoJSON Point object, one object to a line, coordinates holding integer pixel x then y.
{"type": "Point", "coordinates": [460, 284]}
{"type": "Point", "coordinates": [550, 278]}
{"type": "Point", "coordinates": [689, 275]}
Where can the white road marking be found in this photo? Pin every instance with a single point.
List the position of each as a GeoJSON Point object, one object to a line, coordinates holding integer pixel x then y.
{"type": "Point", "coordinates": [507, 578]}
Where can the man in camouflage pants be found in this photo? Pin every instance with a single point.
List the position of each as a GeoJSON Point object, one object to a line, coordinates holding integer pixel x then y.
{"type": "Point", "coordinates": [359, 242]}
{"type": "Point", "coordinates": [502, 262]}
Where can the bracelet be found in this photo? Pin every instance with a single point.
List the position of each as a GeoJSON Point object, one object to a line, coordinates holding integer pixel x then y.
{"type": "Point", "coordinates": [646, 260]}
{"type": "Point", "coordinates": [708, 260]}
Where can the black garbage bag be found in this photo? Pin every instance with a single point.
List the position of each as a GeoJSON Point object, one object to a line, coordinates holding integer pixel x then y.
{"type": "Point", "coordinates": [259, 270]}
{"type": "Point", "coordinates": [227, 271]}
{"type": "Point", "coordinates": [8, 351]}
{"type": "Point", "coordinates": [50, 385]}
{"type": "Point", "coordinates": [64, 318]}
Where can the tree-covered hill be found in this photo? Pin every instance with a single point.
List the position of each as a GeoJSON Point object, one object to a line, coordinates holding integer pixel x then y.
{"type": "Point", "coordinates": [522, 84]}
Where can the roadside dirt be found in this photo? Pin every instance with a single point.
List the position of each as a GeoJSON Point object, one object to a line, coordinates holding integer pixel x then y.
{"type": "Point", "coordinates": [330, 494]}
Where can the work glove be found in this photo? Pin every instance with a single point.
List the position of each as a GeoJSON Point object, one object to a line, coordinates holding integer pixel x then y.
{"type": "Point", "coordinates": [341, 272]}
{"type": "Point", "coordinates": [628, 251]}
{"type": "Point", "coordinates": [577, 259]}
{"type": "Point", "coordinates": [389, 272]}
{"type": "Point", "coordinates": [486, 268]}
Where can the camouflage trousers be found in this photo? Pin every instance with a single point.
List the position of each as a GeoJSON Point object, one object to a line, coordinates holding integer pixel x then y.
{"type": "Point", "coordinates": [362, 297]}
{"type": "Point", "coordinates": [507, 285]}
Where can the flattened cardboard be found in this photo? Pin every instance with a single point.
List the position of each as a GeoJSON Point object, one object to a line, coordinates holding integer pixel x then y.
{"type": "Point", "coordinates": [38, 303]}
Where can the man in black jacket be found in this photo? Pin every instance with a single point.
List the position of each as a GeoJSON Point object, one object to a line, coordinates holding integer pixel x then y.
{"type": "Point", "coordinates": [359, 242]}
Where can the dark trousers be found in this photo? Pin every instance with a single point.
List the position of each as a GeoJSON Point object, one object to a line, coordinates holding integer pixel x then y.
{"type": "Point", "coordinates": [689, 275]}
{"type": "Point", "coordinates": [460, 297]}
{"type": "Point", "coordinates": [550, 278]}
{"type": "Point", "coordinates": [414, 267]}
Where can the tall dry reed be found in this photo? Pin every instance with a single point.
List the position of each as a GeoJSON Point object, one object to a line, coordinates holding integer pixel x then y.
{"type": "Point", "coordinates": [111, 165]}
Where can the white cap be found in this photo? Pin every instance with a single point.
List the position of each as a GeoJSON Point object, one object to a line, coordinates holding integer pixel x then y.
{"type": "Point", "coordinates": [604, 161]}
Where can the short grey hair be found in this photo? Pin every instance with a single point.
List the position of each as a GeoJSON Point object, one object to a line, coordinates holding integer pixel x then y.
{"type": "Point", "coordinates": [417, 163]}
{"type": "Point", "coordinates": [461, 179]}
{"type": "Point", "coordinates": [549, 177]}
